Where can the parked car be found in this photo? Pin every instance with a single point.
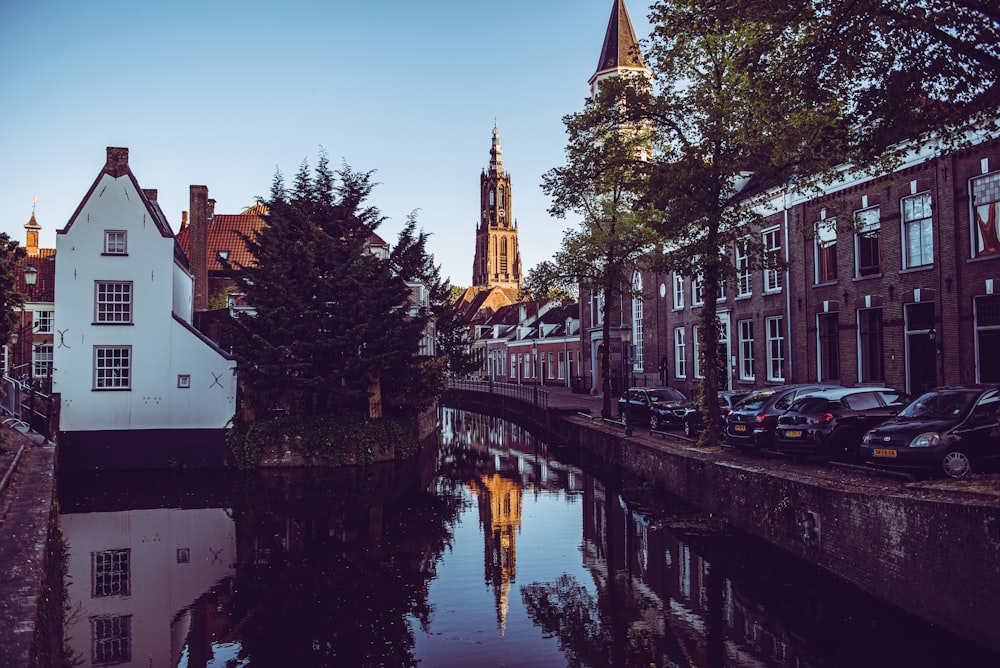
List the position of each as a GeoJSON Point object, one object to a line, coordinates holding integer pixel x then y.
{"type": "Point", "coordinates": [657, 406]}
{"type": "Point", "coordinates": [950, 430]}
{"type": "Point", "coordinates": [831, 423]}
{"type": "Point", "coordinates": [751, 423]}
{"type": "Point", "coordinates": [694, 421]}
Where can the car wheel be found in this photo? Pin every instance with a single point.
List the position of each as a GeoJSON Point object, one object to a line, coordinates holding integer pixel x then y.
{"type": "Point", "coordinates": [654, 421]}
{"type": "Point", "coordinates": [956, 464]}
{"type": "Point", "coordinates": [688, 428]}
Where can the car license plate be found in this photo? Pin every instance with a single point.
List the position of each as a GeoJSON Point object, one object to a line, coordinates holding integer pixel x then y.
{"type": "Point", "coordinates": [739, 427]}
{"type": "Point", "coordinates": [794, 433]}
{"type": "Point", "coordinates": [883, 452]}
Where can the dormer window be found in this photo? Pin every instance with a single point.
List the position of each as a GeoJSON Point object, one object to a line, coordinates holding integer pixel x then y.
{"type": "Point", "coordinates": [223, 255]}
{"type": "Point", "coordinates": [115, 242]}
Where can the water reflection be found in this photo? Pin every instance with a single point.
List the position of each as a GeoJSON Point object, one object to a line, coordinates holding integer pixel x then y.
{"type": "Point", "coordinates": [489, 551]}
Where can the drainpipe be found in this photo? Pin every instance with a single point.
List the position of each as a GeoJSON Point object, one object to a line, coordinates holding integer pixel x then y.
{"type": "Point", "coordinates": [788, 291]}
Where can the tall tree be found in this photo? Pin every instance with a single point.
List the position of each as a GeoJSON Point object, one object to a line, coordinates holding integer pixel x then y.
{"type": "Point", "coordinates": [329, 316]}
{"type": "Point", "coordinates": [728, 112]}
{"type": "Point", "coordinates": [10, 299]}
{"type": "Point", "coordinates": [603, 180]}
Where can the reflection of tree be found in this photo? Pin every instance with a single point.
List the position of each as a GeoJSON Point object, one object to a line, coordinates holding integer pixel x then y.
{"type": "Point", "coordinates": [566, 610]}
{"type": "Point", "coordinates": [332, 565]}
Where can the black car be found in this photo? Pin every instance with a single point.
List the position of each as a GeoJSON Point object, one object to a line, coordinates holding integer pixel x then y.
{"type": "Point", "coordinates": [657, 406]}
{"type": "Point", "coordinates": [694, 421]}
{"type": "Point", "coordinates": [751, 423]}
{"type": "Point", "coordinates": [950, 431]}
{"type": "Point", "coordinates": [831, 423]}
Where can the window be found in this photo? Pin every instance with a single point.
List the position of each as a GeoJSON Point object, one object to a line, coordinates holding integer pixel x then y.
{"type": "Point", "coordinates": [114, 302]}
{"type": "Point", "coordinates": [112, 639]}
{"type": "Point", "coordinates": [745, 328]}
{"type": "Point", "coordinates": [223, 255]}
{"type": "Point", "coordinates": [825, 250]}
{"type": "Point", "coordinates": [112, 367]}
{"type": "Point", "coordinates": [697, 291]}
{"type": "Point", "coordinates": [870, 362]}
{"type": "Point", "coordinates": [111, 573]}
{"type": "Point", "coordinates": [513, 367]}
{"type": "Point", "coordinates": [115, 242]}
{"type": "Point", "coordinates": [41, 360]}
{"type": "Point", "coordinates": [678, 291]}
{"type": "Point", "coordinates": [562, 364]}
{"type": "Point", "coordinates": [184, 381]}
{"type": "Point", "coordinates": [696, 343]}
{"type": "Point", "coordinates": [43, 322]}
{"type": "Point", "coordinates": [986, 205]}
{"type": "Point", "coordinates": [528, 373]}
{"type": "Point", "coordinates": [743, 274]}
{"type": "Point", "coordinates": [828, 346]}
{"type": "Point", "coordinates": [918, 231]}
{"type": "Point", "coordinates": [775, 349]}
{"type": "Point", "coordinates": [597, 308]}
{"type": "Point", "coordinates": [772, 259]}
{"type": "Point", "coordinates": [680, 353]}
{"type": "Point", "coordinates": [988, 338]}
{"type": "Point", "coordinates": [551, 372]}
{"type": "Point", "coordinates": [866, 250]}
{"type": "Point", "coordinates": [637, 304]}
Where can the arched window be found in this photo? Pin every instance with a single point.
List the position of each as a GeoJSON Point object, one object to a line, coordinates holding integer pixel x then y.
{"type": "Point", "coordinates": [503, 255]}
{"type": "Point", "coordinates": [637, 302]}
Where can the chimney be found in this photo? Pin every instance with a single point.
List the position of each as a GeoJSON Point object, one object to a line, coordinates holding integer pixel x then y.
{"type": "Point", "coordinates": [184, 219]}
{"type": "Point", "coordinates": [198, 245]}
{"type": "Point", "coordinates": [211, 209]}
{"type": "Point", "coordinates": [150, 194]}
{"type": "Point", "coordinates": [117, 164]}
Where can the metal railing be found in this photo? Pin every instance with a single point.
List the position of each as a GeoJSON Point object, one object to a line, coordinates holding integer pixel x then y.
{"type": "Point", "coordinates": [531, 393]}
{"type": "Point", "coordinates": [24, 404]}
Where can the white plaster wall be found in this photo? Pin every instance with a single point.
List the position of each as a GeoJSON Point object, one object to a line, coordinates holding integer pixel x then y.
{"type": "Point", "coordinates": [160, 587]}
{"type": "Point", "coordinates": [161, 347]}
{"type": "Point", "coordinates": [183, 293]}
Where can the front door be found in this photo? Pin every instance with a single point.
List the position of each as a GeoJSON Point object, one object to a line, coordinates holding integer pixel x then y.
{"type": "Point", "coordinates": [921, 348]}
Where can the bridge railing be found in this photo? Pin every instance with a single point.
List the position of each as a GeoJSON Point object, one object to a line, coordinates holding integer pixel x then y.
{"type": "Point", "coordinates": [22, 403]}
{"type": "Point", "coordinates": [530, 393]}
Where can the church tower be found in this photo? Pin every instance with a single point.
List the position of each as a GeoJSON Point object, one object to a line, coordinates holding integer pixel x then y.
{"type": "Point", "coordinates": [620, 52]}
{"type": "Point", "coordinates": [498, 259]}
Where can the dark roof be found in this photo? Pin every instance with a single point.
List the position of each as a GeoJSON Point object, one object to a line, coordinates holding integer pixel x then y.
{"type": "Point", "coordinates": [44, 289]}
{"type": "Point", "coordinates": [224, 234]}
{"type": "Point", "coordinates": [621, 48]}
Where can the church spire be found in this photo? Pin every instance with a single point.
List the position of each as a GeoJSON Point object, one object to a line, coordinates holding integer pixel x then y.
{"type": "Point", "coordinates": [620, 52]}
{"type": "Point", "coordinates": [496, 153]}
{"type": "Point", "coordinates": [498, 259]}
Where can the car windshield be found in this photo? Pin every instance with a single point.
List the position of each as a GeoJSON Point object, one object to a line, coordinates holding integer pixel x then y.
{"type": "Point", "coordinates": [666, 394]}
{"type": "Point", "coordinates": [755, 400]}
{"type": "Point", "coordinates": [940, 404]}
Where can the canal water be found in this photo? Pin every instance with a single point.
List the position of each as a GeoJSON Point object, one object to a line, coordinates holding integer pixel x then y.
{"type": "Point", "coordinates": [495, 550]}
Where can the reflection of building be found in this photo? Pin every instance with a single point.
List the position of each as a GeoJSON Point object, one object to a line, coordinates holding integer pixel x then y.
{"type": "Point", "coordinates": [500, 518]}
{"type": "Point", "coordinates": [133, 576]}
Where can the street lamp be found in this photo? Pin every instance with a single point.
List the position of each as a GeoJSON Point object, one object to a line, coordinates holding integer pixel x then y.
{"type": "Point", "coordinates": [30, 278]}
{"type": "Point", "coordinates": [625, 333]}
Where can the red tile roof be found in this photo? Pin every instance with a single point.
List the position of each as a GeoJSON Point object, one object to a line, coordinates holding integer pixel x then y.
{"type": "Point", "coordinates": [224, 234]}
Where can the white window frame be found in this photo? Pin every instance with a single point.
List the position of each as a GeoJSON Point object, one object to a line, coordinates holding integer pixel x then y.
{"type": "Point", "coordinates": [697, 291]}
{"type": "Point", "coordinates": [985, 196]}
{"type": "Point", "coordinates": [984, 324]}
{"type": "Point", "coordinates": [775, 348]}
{"type": "Point", "coordinates": [41, 360]}
{"type": "Point", "coordinates": [878, 355]}
{"type": "Point", "coordinates": [771, 240]}
{"type": "Point", "coordinates": [866, 221]}
{"type": "Point", "coordinates": [115, 242]}
{"type": "Point", "coordinates": [42, 321]}
{"type": "Point", "coordinates": [824, 238]}
{"type": "Point", "coordinates": [680, 353]}
{"type": "Point", "coordinates": [113, 302]}
{"type": "Point", "coordinates": [745, 332]}
{"type": "Point", "coordinates": [744, 275]}
{"type": "Point", "coordinates": [696, 349]}
{"type": "Point", "coordinates": [637, 306]}
{"type": "Point", "coordinates": [678, 292]}
{"type": "Point", "coordinates": [107, 374]}
{"type": "Point", "coordinates": [917, 215]}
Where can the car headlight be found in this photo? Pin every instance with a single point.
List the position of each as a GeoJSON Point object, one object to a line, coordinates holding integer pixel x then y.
{"type": "Point", "coordinates": [926, 440]}
{"type": "Point", "coordinates": [867, 438]}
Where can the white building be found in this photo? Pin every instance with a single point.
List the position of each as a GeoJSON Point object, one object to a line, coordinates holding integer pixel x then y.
{"type": "Point", "coordinates": [139, 385]}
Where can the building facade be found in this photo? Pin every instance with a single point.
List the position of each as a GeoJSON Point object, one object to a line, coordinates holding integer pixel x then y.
{"type": "Point", "coordinates": [498, 259]}
{"type": "Point", "coordinates": [138, 384]}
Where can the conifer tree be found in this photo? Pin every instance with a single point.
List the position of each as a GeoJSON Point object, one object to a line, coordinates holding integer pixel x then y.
{"type": "Point", "coordinates": [10, 298]}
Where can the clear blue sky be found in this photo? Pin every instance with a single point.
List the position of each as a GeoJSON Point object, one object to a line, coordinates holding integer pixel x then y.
{"type": "Point", "coordinates": [222, 93]}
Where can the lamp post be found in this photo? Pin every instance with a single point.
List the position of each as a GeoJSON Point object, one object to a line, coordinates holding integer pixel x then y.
{"type": "Point", "coordinates": [30, 278]}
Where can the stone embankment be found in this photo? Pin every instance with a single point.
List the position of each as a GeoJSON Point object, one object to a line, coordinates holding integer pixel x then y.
{"type": "Point", "coordinates": [930, 547]}
{"type": "Point", "coordinates": [30, 592]}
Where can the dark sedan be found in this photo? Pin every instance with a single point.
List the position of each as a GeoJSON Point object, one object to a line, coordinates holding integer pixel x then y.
{"type": "Point", "coordinates": [658, 407]}
{"type": "Point", "coordinates": [694, 421]}
{"type": "Point", "coordinates": [751, 423]}
{"type": "Point", "coordinates": [830, 423]}
{"type": "Point", "coordinates": [951, 431]}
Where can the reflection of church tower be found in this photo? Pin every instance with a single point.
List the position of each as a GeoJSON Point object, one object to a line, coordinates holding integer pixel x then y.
{"type": "Point", "coordinates": [500, 517]}
{"type": "Point", "coordinates": [498, 259]}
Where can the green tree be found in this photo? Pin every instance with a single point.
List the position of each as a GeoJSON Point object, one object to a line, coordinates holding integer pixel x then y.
{"type": "Point", "coordinates": [731, 109]}
{"type": "Point", "coordinates": [10, 299]}
{"type": "Point", "coordinates": [330, 317]}
{"type": "Point", "coordinates": [605, 175]}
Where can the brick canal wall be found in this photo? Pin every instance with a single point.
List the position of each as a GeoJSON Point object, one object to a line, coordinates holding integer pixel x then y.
{"type": "Point", "coordinates": [932, 548]}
